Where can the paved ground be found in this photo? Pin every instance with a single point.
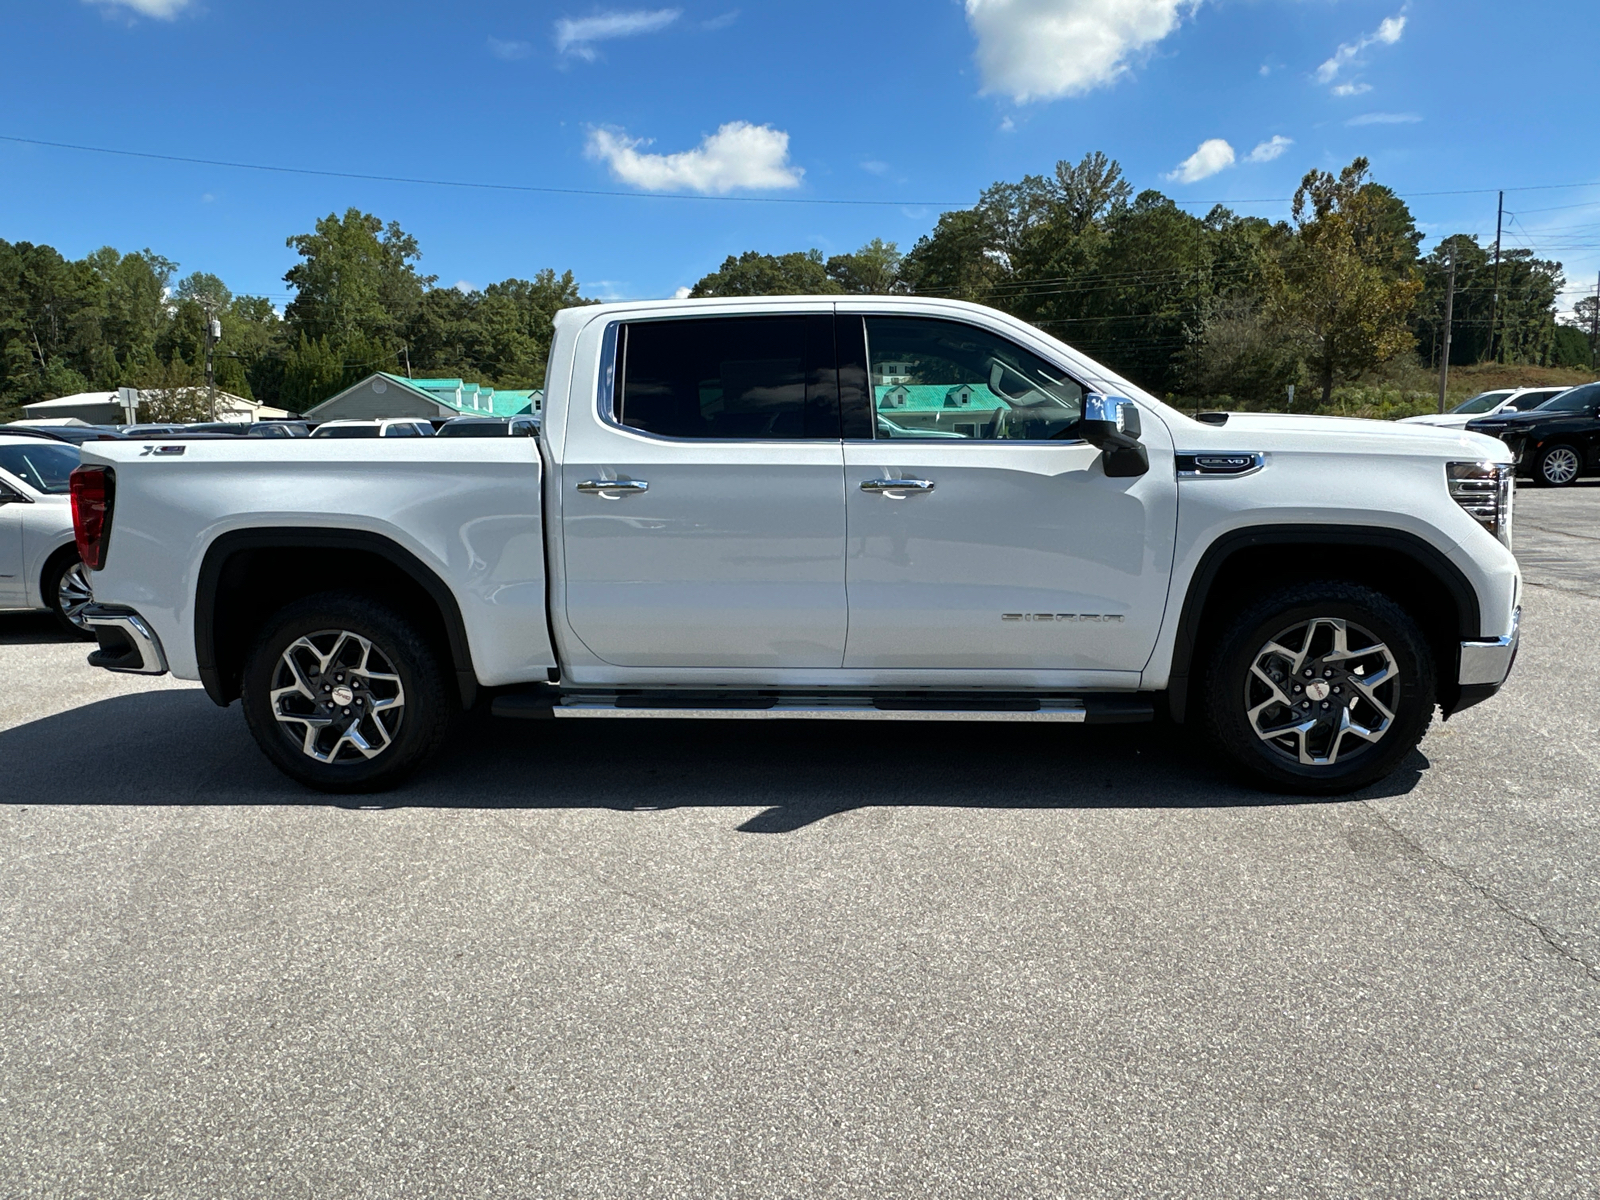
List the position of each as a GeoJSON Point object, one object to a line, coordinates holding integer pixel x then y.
{"type": "Point", "coordinates": [814, 961]}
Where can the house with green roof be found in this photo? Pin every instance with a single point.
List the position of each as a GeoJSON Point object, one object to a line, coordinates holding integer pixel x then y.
{"type": "Point", "coordinates": [382, 395]}
{"type": "Point", "coordinates": [936, 397]}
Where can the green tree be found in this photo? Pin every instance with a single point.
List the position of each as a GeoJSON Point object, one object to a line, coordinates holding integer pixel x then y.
{"type": "Point", "coordinates": [872, 270]}
{"type": "Point", "coordinates": [312, 372]}
{"type": "Point", "coordinates": [356, 280]}
{"type": "Point", "coordinates": [802, 273]}
{"type": "Point", "coordinates": [1349, 274]}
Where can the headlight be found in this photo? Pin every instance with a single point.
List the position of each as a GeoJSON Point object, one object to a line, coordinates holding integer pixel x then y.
{"type": "Point", "coordinates": [1486, 490]}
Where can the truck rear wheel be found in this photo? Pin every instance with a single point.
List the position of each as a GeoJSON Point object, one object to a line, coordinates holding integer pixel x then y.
{"type": "Point", "coordinates": [344, 695]}
{"type": "Point", "coordinates": [1319, 688]}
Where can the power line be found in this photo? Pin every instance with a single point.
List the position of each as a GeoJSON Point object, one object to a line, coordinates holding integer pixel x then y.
{"type": "Point", "coordinates": [482, 186]}
{"type": "Point", "coordinates": [556, 191]}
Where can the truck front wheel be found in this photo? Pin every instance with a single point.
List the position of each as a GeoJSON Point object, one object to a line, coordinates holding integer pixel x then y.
{"type": "Point", "coordinates": [1319, 688]}
{"type": "Point", "coordinates": [344, 695]}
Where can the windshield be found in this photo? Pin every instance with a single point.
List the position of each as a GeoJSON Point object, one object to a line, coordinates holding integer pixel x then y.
{"type": "Point", "coordinates": [347, 431]}
{"type": "Point", "coordinates": [474, 429]}
{"type": "Point", "coordinates": [1578, 398]}
{"type": "Point", "coordinates": [1481, 403]}
{"type": "Point", "coordinates": [44, 467]}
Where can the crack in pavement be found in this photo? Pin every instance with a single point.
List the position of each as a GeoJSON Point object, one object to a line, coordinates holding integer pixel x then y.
{"type": "Point", "coordinates": [1546, 934]}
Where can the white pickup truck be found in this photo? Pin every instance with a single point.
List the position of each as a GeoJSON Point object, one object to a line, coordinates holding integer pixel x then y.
{"type": "Point", "coordinates": [875, 508]}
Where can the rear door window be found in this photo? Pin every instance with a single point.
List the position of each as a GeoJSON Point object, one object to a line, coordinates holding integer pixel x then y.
{"type": "Point", "coordinates": [728, 378]}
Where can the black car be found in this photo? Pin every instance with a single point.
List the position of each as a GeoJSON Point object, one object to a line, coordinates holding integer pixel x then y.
{"type": "Point", "coordinates": [1556, 442]}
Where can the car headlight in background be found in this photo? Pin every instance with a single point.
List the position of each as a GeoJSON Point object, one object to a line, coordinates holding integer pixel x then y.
{"type": "Point", "coordinates": [1486, 490]}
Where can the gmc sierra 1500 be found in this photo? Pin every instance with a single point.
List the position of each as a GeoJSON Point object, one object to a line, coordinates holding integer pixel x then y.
{"type": "Point", "coordinates": [882, 508]}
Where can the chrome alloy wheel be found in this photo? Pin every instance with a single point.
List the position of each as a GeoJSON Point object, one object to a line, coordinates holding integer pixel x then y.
{"type": "Point", "coordinates": [73, 595]}
{"type": "Point", "coordinates": [1322, 689]}
{"type": "Point", "coordinates": [1559, 466]}
{"type": "Point", "coordinates": [337, 696]}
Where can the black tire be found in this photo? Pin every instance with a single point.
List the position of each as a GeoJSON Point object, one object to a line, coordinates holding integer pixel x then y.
{"type": "Point", "coordinates": [1302, 618]}
{"type": "Point", "coordinates": [64, 602]}
{"type": "Point", "coordinates": [1558, 466]}
{"type": "Point", "coordinates": [415, 727]}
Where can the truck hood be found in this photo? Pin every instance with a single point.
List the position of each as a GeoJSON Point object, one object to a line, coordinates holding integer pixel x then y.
{"type": "Point", "coordinates": [1351, 435]}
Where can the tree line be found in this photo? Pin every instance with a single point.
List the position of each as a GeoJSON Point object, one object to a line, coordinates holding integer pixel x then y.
{"type": "Point", "coordinates": [360, 305]}
{"type": "Point", "coordinates": [1216, 308]}
{"type": "Point", "coordinates": [1219, 307]}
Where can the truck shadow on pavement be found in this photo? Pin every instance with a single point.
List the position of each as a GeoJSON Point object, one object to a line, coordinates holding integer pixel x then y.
{"type": "Point", "coordinates": [176, 748]}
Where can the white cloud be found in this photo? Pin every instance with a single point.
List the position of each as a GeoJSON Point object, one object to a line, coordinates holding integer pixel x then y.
{"type": "Point", "coordinates": [1269, 150]}
{"type": "Point", "coordinates": [1213, 155]}
{"type": "Point", "coordinates": [739, 155]}
{"type": "Point", "coordinates": [1387, 34]}
{"type": "Point", "coordinates": [722, 22]}
{"type": "Point", "coordinates": [1042, 49]}
{"type": "Point", "coordinates": [1384, 119]}
{"type": "Point", "coordinates": [509, 51]}
{"type": "Point", "coordinates": [1352, 89]}
{"type": "Point", "coordinates": [681, 294]}
{"type": "Point", "coordinates": [876, 168]}
{"type": "Point", "coordinates": [465, 287]}
{"type": "Point", "coordinates": [163, 10]}
{"type": "Point", "coordinates": [577, 35]}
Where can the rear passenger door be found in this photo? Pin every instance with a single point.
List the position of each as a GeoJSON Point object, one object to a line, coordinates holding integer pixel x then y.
{"type": "Point", "coordinates": [703, 511]}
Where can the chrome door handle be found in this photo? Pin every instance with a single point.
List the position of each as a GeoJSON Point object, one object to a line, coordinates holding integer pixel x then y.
{"type": "Point", "coordinates": [896, 485]}
{"type": "Point", "coordinates": [599, 487]}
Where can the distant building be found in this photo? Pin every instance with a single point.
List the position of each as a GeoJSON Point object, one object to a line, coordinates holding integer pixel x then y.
{"type": "Point", "coordinates": [106, 408]}
{"type": "Point", "coordinates": [383, 395]}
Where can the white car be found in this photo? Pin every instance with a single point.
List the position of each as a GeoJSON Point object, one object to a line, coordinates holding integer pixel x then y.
{"type": "Point", "coordinates": [866, 508]}
{"type": "Point", "coordinates": [1487, 404]}
{"type": "Point", "coordinates": [39, 565]}
{"type": "Point", "coordinates": [406, 428]}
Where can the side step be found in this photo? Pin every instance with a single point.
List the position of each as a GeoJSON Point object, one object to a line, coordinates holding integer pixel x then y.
{"type": "Point", "coordinates": [544, 703]}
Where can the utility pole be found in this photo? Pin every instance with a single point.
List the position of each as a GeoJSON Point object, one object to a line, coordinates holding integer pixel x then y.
{"type": "Point", "coordinates": [1494, 302]}
{"type": "Point", "coordinates": [213, 335]}
{"type": "Point", "coordinates": [1449, 321]}
{"type": "Point", "coordinates": [1594, 330]}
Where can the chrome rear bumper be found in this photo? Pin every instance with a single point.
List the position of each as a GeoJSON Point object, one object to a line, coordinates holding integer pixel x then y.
{"type": "Point", "coordinates": [127, 643]}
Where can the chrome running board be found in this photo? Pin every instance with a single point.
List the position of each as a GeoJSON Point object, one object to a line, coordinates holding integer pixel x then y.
{"type": "Point", "coordinates": [548, 703]}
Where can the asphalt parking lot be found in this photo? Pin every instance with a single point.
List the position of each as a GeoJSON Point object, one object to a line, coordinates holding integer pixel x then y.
{"type": "Point", "coordinates": [814, 960]}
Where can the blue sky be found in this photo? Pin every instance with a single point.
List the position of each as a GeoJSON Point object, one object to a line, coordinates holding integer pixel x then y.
{"type": "Point", "coordinates": [916, 104]}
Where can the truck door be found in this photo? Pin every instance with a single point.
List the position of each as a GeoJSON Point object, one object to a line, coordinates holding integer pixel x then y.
{"type": "Point", "coordinates": [703, 497]}
{"type": "Point", "coordinates": [982, 533]}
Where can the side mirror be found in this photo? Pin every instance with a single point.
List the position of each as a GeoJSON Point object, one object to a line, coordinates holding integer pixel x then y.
{"type": "Point", "coordinates": [10, 495]}
{"type": "Point", "coordinates": [1112, 423]}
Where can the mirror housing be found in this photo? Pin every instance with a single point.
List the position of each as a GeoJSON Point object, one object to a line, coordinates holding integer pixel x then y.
{"type": "Point", "coordinates": [1112, 423]}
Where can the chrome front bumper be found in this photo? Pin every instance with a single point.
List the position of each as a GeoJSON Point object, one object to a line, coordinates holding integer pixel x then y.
{"type": "Point", "coordinates": [1487, 663]}
{"type": "Point", "coordinates": [127, 643]}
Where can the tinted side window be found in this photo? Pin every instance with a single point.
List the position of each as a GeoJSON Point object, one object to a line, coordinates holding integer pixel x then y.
{"type": "Point", "coordinates": [944, 380]}
{"type": "Point", "coordinates": [730, 377]}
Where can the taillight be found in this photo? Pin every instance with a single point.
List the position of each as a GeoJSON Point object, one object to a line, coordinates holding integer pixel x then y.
{"type": "Point", "coordinates": [94, 490]}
